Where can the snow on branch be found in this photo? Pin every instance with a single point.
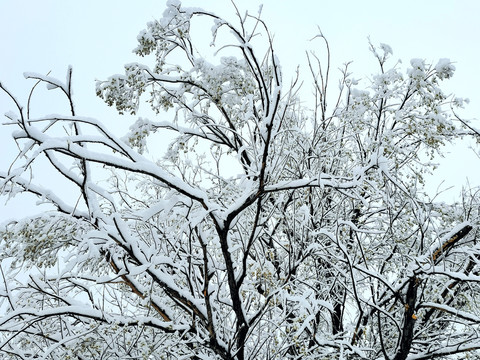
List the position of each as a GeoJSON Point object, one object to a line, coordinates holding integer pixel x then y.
{"type": "Point", "coordinates": [239, 217]}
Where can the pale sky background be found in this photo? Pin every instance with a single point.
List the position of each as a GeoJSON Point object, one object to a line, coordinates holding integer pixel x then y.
{"type": "Point", "coordinates": [96, 38]}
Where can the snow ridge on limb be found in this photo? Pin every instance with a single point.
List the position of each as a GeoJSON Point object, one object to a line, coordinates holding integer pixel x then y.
{"type": "Point", "coordinates": [450, 239]}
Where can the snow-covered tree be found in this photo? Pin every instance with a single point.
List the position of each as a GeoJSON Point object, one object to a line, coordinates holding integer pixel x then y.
{"type": "Point", "coordinates": [242, 220]}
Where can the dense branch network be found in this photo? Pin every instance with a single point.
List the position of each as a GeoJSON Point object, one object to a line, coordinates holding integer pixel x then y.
{"type": "Point", "coordinates": [266, 229]}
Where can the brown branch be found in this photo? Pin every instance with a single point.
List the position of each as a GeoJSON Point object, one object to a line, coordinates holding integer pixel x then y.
{"type": "Point", "coordinates": [448, 244]}
{"type": "Point", "coordinates": [137, 292]}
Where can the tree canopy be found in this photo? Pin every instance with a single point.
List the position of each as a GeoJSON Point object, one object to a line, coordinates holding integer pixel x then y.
{"type": "Point", "coordinates": [242, 220]}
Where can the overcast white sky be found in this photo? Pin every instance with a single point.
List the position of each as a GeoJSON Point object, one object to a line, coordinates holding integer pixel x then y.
{"type": "Point", "coordinates": [96, 38]}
